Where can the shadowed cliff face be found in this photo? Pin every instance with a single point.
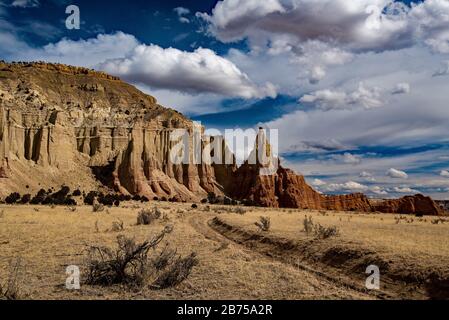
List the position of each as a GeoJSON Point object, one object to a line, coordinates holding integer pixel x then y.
{"type": "Point", "coordinates": [88, 130]}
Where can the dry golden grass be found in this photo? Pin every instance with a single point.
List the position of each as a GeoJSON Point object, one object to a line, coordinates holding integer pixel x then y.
{"type": "Point", "coordinates": [49, 239]}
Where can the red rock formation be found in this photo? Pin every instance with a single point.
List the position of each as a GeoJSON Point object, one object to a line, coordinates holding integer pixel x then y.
{"type": "Point", "coordinates": [286, 189]}
{"type": "Point", "coordinates": [417, 204]}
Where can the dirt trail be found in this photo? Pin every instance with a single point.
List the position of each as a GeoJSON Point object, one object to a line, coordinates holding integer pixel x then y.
{"type": "Point", "coordinates": [203, 225]}
{"type": "Point", "coordinates": [287, 252]}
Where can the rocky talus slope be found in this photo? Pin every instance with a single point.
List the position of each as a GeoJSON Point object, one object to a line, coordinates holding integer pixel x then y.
{"type": "Point", "coordinates": [89, 130]}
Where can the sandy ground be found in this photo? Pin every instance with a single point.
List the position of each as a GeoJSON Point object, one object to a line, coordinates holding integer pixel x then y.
{"type": "Point", "coordinates": [47, 240]}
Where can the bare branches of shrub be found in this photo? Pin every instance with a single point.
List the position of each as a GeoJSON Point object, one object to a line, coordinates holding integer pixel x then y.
{"type": "Point", "coordinates": [264, 224]}
{"type": "Point", "coordinates": [130, 264]}
{"type": "Point", "coordinates": [97, 207]}
{"type": "Point", "coordinates": [176, 272]}
{"type": "Point", "coordinates": [318, 230]}
{"type": "Point", "coordinates": [148, 216]}
{"type": "Point", "coordinates": [117, 226]}
{"type": "Point", "coordinates": [326, 232]}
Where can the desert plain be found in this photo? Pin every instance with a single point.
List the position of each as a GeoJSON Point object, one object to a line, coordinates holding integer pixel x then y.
{"type": "Point", "coordinates": [236, 258]}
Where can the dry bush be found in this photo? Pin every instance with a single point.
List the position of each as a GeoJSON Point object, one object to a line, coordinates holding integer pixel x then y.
{"type": "Point", "coordinates": [438, 221]}
{"type": "Point", "coordinates": [308, 225]}
{"type": "Point", "coordinates": [97, 228]}
{"type": "Point", "coordinates": [11, 290]}
{"type": "Point", "coordinates": [325, 232]}
{"type": "Point", "coordinates": [163, 259]}
{"type": "Point", "coordinates": [128, 264]}
{"type": "Point", "coordinates": [117, 226]}
{"type": "Point", "coordinates": [148, 216]}
{"type": "Point", "coordinates": [240, 210]}
{"type": "Point", "coordinates": [131, 265]}
{"type": "Point", "coordinates": [97, 207]}
{"type": "Point", "coordinates": [264, 224]}
{"type": "Point", "coordinates": [318, 230]}
{"type": "Point", "coordinates": [176, 272]}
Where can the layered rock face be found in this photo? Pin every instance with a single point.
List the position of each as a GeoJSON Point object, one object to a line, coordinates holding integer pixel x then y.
{"type": "Point", "coordinates": [417, 204]}
{"type": "Point", "coordinates": [88, 130]}
{"type": "Point", "coordinates": [74, 126]}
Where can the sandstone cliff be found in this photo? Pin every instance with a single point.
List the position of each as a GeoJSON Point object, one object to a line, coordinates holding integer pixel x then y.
{"type": "Point", "coordinates": [88, 130]}
{"type": "Point", "coordinates": [61, 124]}
{"type": "Point", "coordinates": [417, 204]}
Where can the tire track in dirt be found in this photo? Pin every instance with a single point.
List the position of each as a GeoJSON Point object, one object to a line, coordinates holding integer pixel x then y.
{"type": "Point", "coordinates": [204, 225]}
{"type": "Point", "coordinates": [283, 249]}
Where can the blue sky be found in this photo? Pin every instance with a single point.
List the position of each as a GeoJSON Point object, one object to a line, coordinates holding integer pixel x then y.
{"type": "Point", "coordinates": [357, 89]}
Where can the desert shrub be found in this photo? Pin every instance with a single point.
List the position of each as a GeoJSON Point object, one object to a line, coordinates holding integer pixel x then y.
{"type": "Point", "coordinates": [90, 197]}
{"type": "Point", "coordinates": [39, 197]}
{"type": "Point", "coordinates": [137, 198]}
{"type": "Point", "coordinates": [203, 201]}
{"type": "Point", "coordinates": [240, 211]}
{"type": "Point", "coordinates": [164, 258]}
{"type": "Point", "coordinates": [438, 221]}
{"type": "Point", "coordinates": [176, 272]}
{"type": "Point", "coordinates": [148, 216]}
{"type": "Point", "coordinates": [325, 232]}
{"type": "Point", "coordinates": [144, 199]}
{"type": "Point", "coordinates": [13, 198]}
{"type": "Point", "coordinates": [117, 203]}
{"type": "Point", "coordinates": [155, 199]}
{"type": "Point", "coordinates": [194, 206]}
{"type": "Point", "coordinates": [69, 202]}
{"type": "Point", "coordinates": [308, 225]}
{"type": "Point", "coordinates": [264, 224]}
{"type": "Point", "coordinates": [25, 199]}
{"type": "Point", "coordinates": [97, 207]}
{"type": "Point", "coordinates": [117, 226]}
{"type": "Point", "coordinates": [60, 196]}
{"type": "Point", "coordinates": [106, 200]}
{"type": "Point", "coordinates": [318, 230]}
{"type": "Point", "coordinates": [130, 264]}
{"type": "Point", "coordinates": [11, 290]}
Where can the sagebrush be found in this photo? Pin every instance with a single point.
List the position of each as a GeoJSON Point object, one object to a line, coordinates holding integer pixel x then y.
{"type": "Point", "coordinates": [130, 263]}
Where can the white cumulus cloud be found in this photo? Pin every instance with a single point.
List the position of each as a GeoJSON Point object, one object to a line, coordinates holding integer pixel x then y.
{"type": "Point", "coordinates": [444, 173]}
{"type": "Point", "coordinates": [195, 72]}
{"type": "Point", "coordinates": [397, 174]}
